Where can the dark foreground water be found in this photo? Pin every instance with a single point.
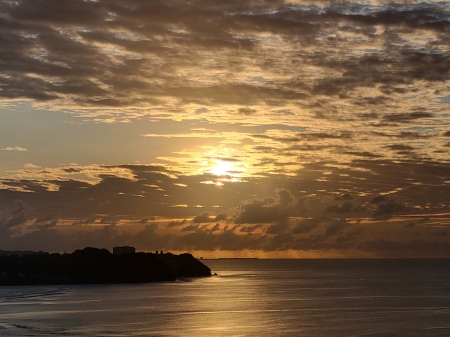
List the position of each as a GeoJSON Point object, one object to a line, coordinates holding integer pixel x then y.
{"type": "Point", "coordinates": [247, 298]}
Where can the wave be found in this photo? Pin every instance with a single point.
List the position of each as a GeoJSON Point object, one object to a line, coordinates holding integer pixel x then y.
{"type": "Point", "coordinates": [22, 293]}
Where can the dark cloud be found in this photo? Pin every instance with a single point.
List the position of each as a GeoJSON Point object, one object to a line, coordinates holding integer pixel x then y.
{"type": "Point", "coordinates": [336, 228]}
{"type": "Point", "coordinates": [363, 154]}
{"type": "Point", "coordinates": [52, 51]}
{"type": "Point", "coordinates": [267, 210]}
{"type": "Point", "coordinates": [305, 226]}
{"type": "Point", "coordinates": [400, 147]}
{"type": "Point", "coordinates": [350, 236]}
{"type": "Point", "coordinates": [189, 228]}
{"type": "Point", "coordinates": [14, 217]}
{"type": "Point", "coordinates": [440, 233]}
{"type": "Point", "coordinates": [202, 218]}
{"type": "Point", "coordinates": [340, 209]}
{"type": "Point", "coordinates": [145, 220]}
{"type": "Point", "coordinates": [378, 199]}
{"type": "Point", "coordinates": [285, 198]}
{"type": "Point", "coordinates": [109, 220]}
{"type": "Point", "coordinates": [85, 201]}
{"type": "Point", "coordinates": [337, 236]}
{"type": "Point", "coordinates": [206, 218]}
{"type": "Point", "coordinates": [277, 228]}
{"type": "Point", "coordinates": [176, 223]}
{"type": "Point", "coordinates": [71, 170]}
{"type": "Point", "coordinates": [241, 94]}
{"type": "Point", "coordinates": [389, 208]}
{"type": "Point", "coordinates": [415, 183]}
{"type": "Point", "coordinates": [402, 135]}
{"type": "Point", "coordinates": [406, 117]}
{"type": "Point", "coordinates": [250, 229]}
{"type": "Point", "coordinates": [46, 218]}
{"type": "Point", "coordinates": [46, 224]}
{"type": "Point", "coordinates": [87, 221]}
{"type": "Point", "coordinates": [345, 196]}
{"type": "Point", "coordinates": [409, 66]}
{"type": "Point", "coordinates": [221, 217]}
{"type": "Point", "coordinates": [322, 135]}
{"type": "Point", "coordinates": [215, 228]}
{"type": "Point", "coordinates": [411, 135]}
{"type": "Point", "coordinates": [247, 111]}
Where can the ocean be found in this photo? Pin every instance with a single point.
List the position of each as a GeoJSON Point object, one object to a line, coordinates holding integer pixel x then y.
{"type": "Point", "coordinates": [248, 297]}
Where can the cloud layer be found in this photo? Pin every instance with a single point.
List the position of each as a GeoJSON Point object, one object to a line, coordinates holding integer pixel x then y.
{"type": "Point", "coordinates": [280, 125]}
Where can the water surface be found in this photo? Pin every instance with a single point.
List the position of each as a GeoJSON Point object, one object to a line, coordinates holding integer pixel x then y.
{"type": "Point", "coordinates": [247, 298]}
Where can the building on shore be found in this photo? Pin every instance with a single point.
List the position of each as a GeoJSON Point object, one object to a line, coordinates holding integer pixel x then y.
{"type": "Point", "coordinates": [124, 250]}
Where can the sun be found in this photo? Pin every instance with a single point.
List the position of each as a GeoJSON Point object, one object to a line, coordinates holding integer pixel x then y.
{"type": "Point", "coordinates": [225, 171]}
{"type": "Point", "coordinates": [222, 168]}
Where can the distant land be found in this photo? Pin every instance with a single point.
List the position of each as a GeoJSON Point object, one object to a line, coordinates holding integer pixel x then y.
{"type": "Point", "coordinates": [236, 258]}
{"type": "Point", "coordinates": [96, 266]}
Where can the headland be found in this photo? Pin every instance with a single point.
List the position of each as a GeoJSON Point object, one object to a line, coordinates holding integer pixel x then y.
{"type": "Point", "coordinates": [97, 266]}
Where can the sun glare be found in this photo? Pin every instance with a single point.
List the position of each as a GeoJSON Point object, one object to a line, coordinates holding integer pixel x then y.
{"type": "Point", "coordinates": [226, 171]}
{"type": "Point", "coordinates": [222, 168]}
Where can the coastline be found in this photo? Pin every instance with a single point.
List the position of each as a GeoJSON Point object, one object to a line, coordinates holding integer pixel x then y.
{"type": "Point", "coordinates": [97, 266]}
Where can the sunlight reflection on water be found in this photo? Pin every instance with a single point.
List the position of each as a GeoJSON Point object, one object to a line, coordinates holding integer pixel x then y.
{"type": "Point", "coordinates": [248, 298]}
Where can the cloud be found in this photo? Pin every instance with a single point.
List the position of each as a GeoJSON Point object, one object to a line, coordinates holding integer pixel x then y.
{"type": "Point", "coordinates": [118, 194]}
{"type": "Point", "coordinates": [202, 218]}
{"type": "Point", "coordinates": [111, 220]}
{"type": "Point", "coordinates": [221, 217]}
{"type": "Point", "coordinates": [250, 229]}
{"type": "Point", "coordinates": [151, 49]}
{"type": "Point", "coordinates": [12, 218]}
{"type": "Point", "coordinates": [440, 233]}
{"type": "Point", "coordinates": [14, 148]}
{"type": "Point", "coordinates": [45, 224]}
{"type": "Point", "coordinates": [378, 199]}
{"type": "Point", "coordinates": [336, 228]}
{"type": "Point", "coordinates": [190, 228]}
{"type": "Point", "coordinates": [277, 228]}
{"type": "Point", "coordinates": [329, 237]}
{"type": "Point", "coordinates": [345, 196]}
{"type": "Point", "coordinates": [215, 228]}
{"type": "Point", "coordinates": [363, 154]}
{"type": "Point", "coordinates": [247, 111]}
{"type": "Point", "coordinates": [400, 147]}
{"type": "Point", "coordinates": [388, 208]}
{"type": "Point", "coordinates": [350, 236]}
{"type": "Point", "coordinates": [87, 221]}
{"type": "Point", "coordinates": [267, 210]}
{"type": "Point", "coordinates": [305, 226]}
{"type": "Point", "coordinates": [407, 117]}
{"type": "Point", "coordinates": [410, 225]}
{"type": "Point", "coordinates": [176, 223]}
{"type": "Point", "coordinates": [340, 209]}
{"type": "Point", "coordinates": [363, 121]}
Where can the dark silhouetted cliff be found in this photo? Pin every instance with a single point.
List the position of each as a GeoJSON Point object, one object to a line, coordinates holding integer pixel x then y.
{"type": "Point", "coordinates": [95, 266]}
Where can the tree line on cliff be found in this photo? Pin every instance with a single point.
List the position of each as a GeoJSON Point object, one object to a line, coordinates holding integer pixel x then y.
{"type": "Point", "coordinates": [97, 266]}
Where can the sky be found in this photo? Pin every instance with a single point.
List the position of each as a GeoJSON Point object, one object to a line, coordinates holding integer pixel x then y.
{"type": "Point", "coordinates": [226, 128]}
